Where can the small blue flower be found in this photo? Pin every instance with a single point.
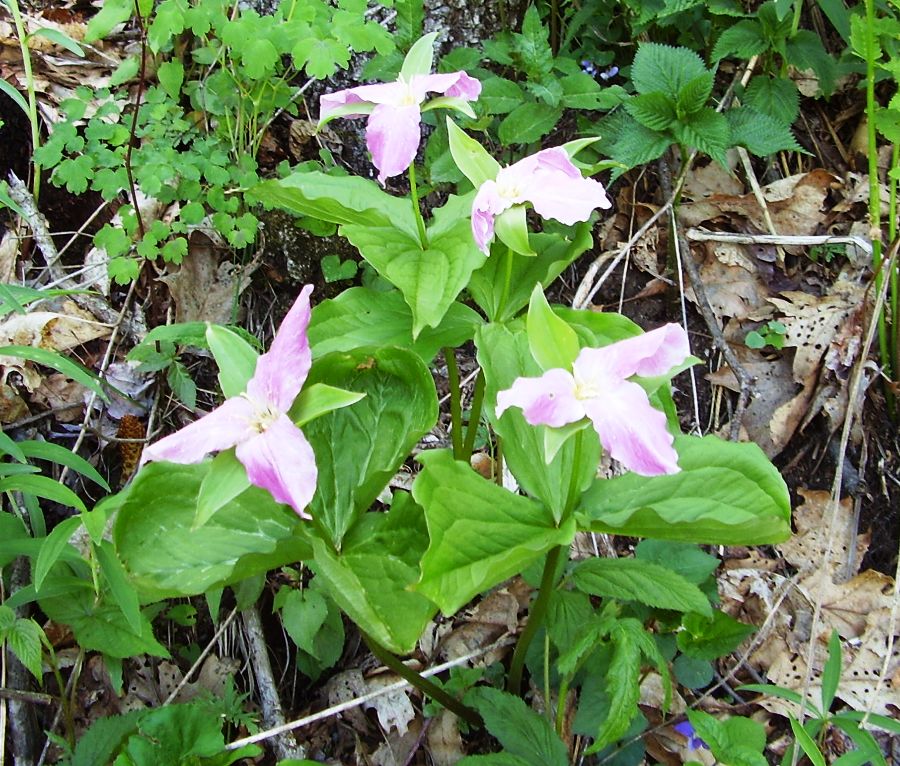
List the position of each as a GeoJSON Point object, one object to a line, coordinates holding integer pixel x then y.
{"type": "Point", "coordinates": [589, 67]}
{"type": "Point", "coordinates": [694, 742]}
{"type": "Point", "coordinates": [609, 73]}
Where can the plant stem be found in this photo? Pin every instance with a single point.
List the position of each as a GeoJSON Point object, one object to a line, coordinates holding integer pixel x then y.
{"type": "Point", "coordinates": [535, 620]}
{"type": "Point", "coordinates": [424, 685]}
{"type": "Point", "coordinates": [417, 213]}
{"type": "Point", "coordinates": [455, 403]}
{"type": "Point", "coordinates": [32, 96]}
{"type": "Point", "coordinates": [875, 198]}
{"type": "Point", "coordinates": [134, 118]}
{"type": "Point", "coordinates": [474, 414]}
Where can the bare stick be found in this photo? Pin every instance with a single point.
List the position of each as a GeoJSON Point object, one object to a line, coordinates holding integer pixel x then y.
{"type": "Point", "coordinates": [193, 669]}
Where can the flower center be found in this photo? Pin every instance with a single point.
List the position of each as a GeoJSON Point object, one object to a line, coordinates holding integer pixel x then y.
{"type": "Point", "coordinates": [586, 389]}
{"type": "Point", "coordinates": [263, 416]}
{"type": "Point", "coordinates": [408, 97]}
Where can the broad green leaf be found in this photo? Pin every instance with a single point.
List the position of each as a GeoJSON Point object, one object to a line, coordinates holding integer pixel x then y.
{"type": "Point", "coordinates": [11, 530]}
{"type": "Point", "coordinates": [504, 356]}
{"type": "Point", "coordinates": [629, 143]}
{"type": "Point", "coordinates": [706, 130]}
{"type": "Point", "coordinates": [528, 122]}
{"type": "Point", "coordinates": [481, 534]}
{"type": "Point", "coordinates": [171, 77]}
{"type": "Point", "coordinates": [551, 341]}
{"type": "Point", "coordinates": [165, 556]}
{"type": "Point", "coordinates": [52, 547]}
{"type": "Point", "coordinates": [556, 249]}
{"type": "Point", "coordinates": [725, 494]}
{"type": "Point", "coordinates": [225, 481]}
{"type": "Point", "coordinates": [56, 453]}
{"type": "Point", "coordinates": [742, 40]}
{"type": "Point", "coordinates": [42, 486]}
{"type": "Point", "coordinates": [120, 590]}
{"type": "Point", "coordinates": [777, 97]}
{"type": "Point", "coordinates": [101, 626]}
{"type": "Point", "coordinates": [499, 96]}
{"type": "Point", "coordinates": [364, 317]}
{"type": "Point", "coordinates": [692, 563]}
{"type": "Point", "coordinates": [523, 732]}
{"type": "Point", "coordinates": [636, 580]}
{"type": "Point", "coordinates": [58, 37]}
{"type": "Point", "coordinates": [511, 228]}
{"type": "Point", "coordinates": [59, 363]}
{"type": "Point", "coordinates": [420, 57]}
{"type": "Point", "coordinates": [652, 110]}
{"type": "Point", "coordinates": [302, 613]}
{"type": "Point", "coordinates": [112, 12]}
{"type": "Point", "coordinates": [319, 398]}
{"type": "Point", "coordinates": [759, 133]}
{"type": "Point", "coordinates": [805, 50]}
{"type": "Point", "coordinates": [430, 279]}
{"type": "Point", "coordinates": [581, 91]}
{"type": "Point", "coordinates": [358, 449]}
{"type": "Point", "coordinates": [23, 637]}
{"type": "Point", "coordinates": [470, 156]}
{"type": "Point", "coordinates": [706, 638]}
{"type": "Point", "coordinates": [349, 200]}
{"type": "Point", "coordinates": [102, 740]}
{"type": "Point", "coordinates": [235, 358]}
{"type": "Point", "coordinates": [371, 578]}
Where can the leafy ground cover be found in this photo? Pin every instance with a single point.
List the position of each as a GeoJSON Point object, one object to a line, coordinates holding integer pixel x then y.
{"type": "Point", "coordinates": [633, 261]}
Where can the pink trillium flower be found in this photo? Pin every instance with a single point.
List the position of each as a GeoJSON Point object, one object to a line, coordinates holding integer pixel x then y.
{"type": "Point", "coordinates": [631, 430]}
{"type": "Point", "coordinates": [549, 181]}
{"type": "Point", "coordinates": [393, 133]}
{"type": "Point", "coordinates": [274, 451]}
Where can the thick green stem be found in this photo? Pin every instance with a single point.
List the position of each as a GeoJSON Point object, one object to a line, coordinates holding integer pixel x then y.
{"type": "Point", "coordinates": [424, 685]}
{"type": "Point", "coordinates": [535, 620]}
{"type": "Point", "coordinates": [417, 213]}
{"type": "Point", "coordinates": [32, 95]}
{"type": "Point", "coordinates": [474, 414]}
{"type": "Point", "coordinates": [456, 434]}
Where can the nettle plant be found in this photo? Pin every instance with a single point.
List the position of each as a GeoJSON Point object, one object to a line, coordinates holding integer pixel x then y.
{"type": "Point", "coordinates": [312, 432]}
{"type": "Point", "coordinates": [222, 78]}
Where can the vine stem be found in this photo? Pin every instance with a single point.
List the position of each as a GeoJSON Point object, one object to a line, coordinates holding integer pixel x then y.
{"type": "Point", "coordinates": [134, 118]}
{"type": "Point", "coordinates": [417, 213]}
{"type": "Point", "coordinates": [535, 620]}
{"type": "Point", "coordinates": [424, 685]}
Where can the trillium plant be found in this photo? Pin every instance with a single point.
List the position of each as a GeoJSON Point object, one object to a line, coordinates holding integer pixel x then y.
{"type": "Point", "coordinates": [310, 434]}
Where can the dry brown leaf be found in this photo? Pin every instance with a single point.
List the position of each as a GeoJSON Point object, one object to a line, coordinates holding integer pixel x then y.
{"type": "Point", "coordinates": [706, 180]}
{"type": "Point", "coordinates": [731, 280]}
{"type": "Point", "coordinates": [60, 330]}
{"type": "Point", "coordinates": [812, 323]}
{"type": "Point", "coordinates": [9, 255]}
{"type": "Point", "coordinates": [444, 740]}
{"type": "Point", "coordinates": [204, 288]}
{"type": "Point", "coordinates": [12, 406]}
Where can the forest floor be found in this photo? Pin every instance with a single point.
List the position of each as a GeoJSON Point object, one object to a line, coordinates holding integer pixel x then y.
{"type": "Point", "coordinates": [817, 406]}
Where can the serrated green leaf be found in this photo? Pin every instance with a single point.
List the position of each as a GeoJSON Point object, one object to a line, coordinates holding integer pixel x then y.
{"type": "Point", "coordinates": [629, 143]}
{"type": "Point", "coordinates": [581, 91]}
{"type": "Point", "coordinates": [481, 534]}
{"type": "Point", "coordinates": [707, 131]}
{"type": "Point", "coordinates": [23, 638]}
{"type": "Point", "coordinates": [499, 96]}
{"type": "Point", "coordinates": [742, 40]}
{"type": "Point", "coordinates": [636, 580]}
{"type": "Point", "coordinates": [776, 97]}
{"type": "Point", "coordinates": [622, 686]}
{"type": "Point", "coordinates": [523, 733]}
{"type": "Point", "coordinates": [695, 93]}
{"type": "Point", "coordinates": [760, 134]}
{"type": "Point", "coordinates": [655, 111]}
{"type": "Point", "coordinates": [665, 69]}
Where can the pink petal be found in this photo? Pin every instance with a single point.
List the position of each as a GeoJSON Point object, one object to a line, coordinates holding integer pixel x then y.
{"type": "Point", "coordinates": [548, 400]}
{"type": "Point", "coordinates": [452, 84]}
{"type": "Point", "coordinates": [653, 353]}
{"type": "Point", "coordinates": [393, 136]}
{"type": "Point", "coordinates": [222, 428]}
{"type": "Point", "coordinates": [379, 93]}
{"type": "Point", "coordinates": [631, 430]}
{"type": "Point", "coordinates": [556, 193]}
{"type": "Point", "coordinates": [281, 371]}
{"type": "Point", "coordinates": [486, 206]}
{"type": "Point", "coordinates": [281, 460]}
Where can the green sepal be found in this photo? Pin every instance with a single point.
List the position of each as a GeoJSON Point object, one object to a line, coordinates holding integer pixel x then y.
{"type": "Point", "coordinates": [556, 438]}
{"type": "Point", "coordinates": [420, 58]}
{"type": "Point", "coordinates": [511, 229]}
{"type": "Point", "coordinates": [235, 357]}
{"type": "Point", "coordinates": [552, 342]}
{"type": "Point", "coordinates": [226, 479]}
{"type": "Point", "coordinates": [320, 398]}
{"type": "Point", "coordinates": [456, 103]}
{"type": "Point", "coordinates": [354, 109]}
{"type": "Point", "coordinates": [470, 156]}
